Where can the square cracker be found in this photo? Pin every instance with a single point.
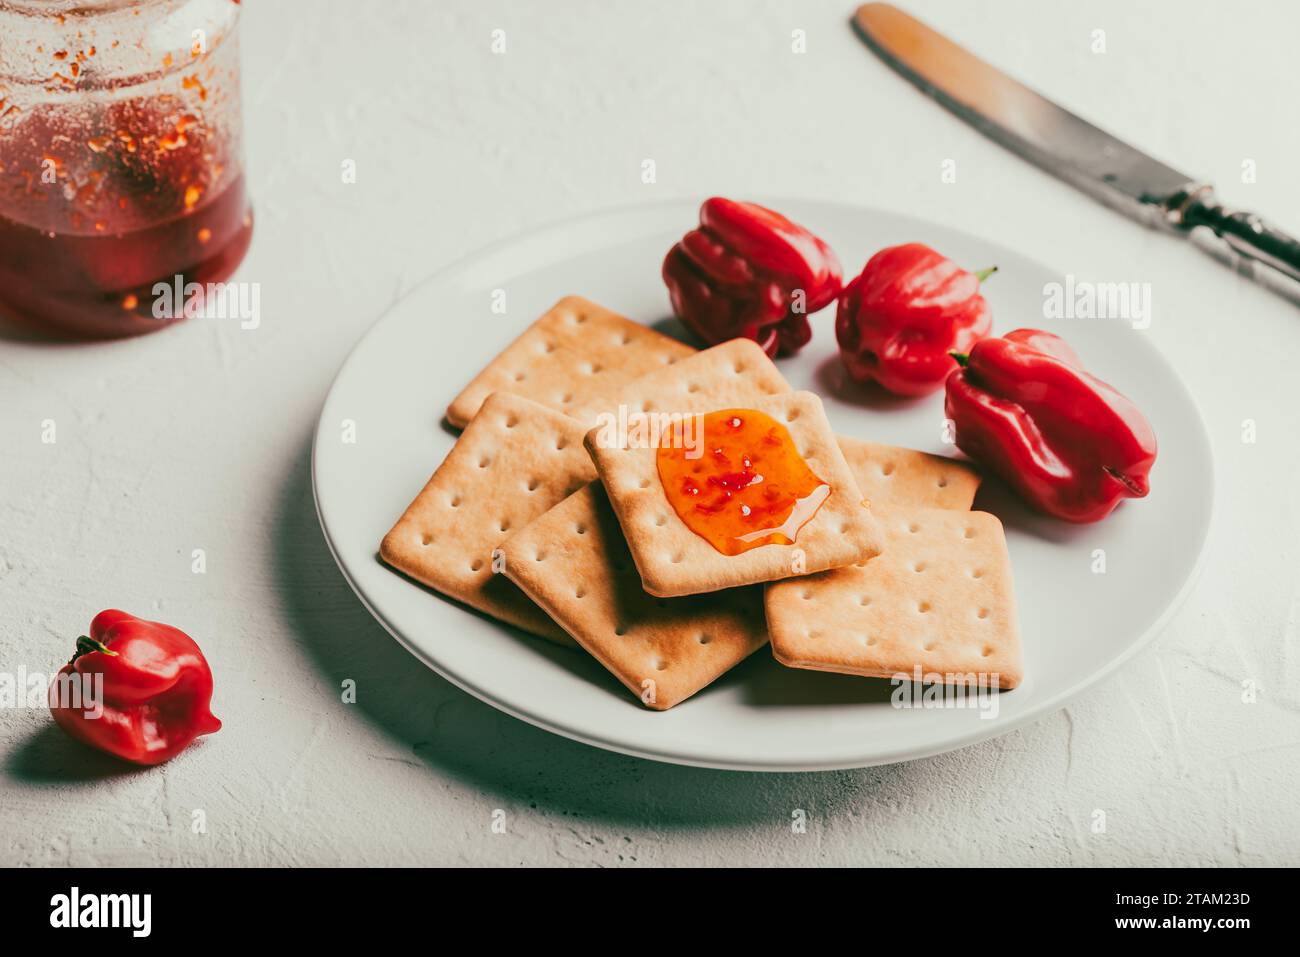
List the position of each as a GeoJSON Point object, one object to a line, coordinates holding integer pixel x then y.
{"type": "Point", "coordinates": [724, 376]}
{"type": "Point", "coordinates": [576, 352]}
{"type": "Point", "coordinates": [891, 476]}
{"type": "Point", "coordinates": [574, 562]}
{"type": "Point", "coordinates": [514, 461]}
{"type": "Point", "coordinates": [674, 561]}
{"type": "Point", "coordinates": [939, 597]}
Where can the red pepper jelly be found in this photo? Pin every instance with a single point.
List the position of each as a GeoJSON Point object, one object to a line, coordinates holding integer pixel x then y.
{"type": "Point", "coordinates": [744, 485]}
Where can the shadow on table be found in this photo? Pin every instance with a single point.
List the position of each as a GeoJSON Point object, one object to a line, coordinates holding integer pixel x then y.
{"type": "Point", "coordinates": [49, 756]}
{"type": "Point", "coordinates": [433, 722]}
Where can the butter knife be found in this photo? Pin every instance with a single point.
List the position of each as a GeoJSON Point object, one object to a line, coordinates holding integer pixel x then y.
{"type": "Point", "coordinates": [1071, 148]}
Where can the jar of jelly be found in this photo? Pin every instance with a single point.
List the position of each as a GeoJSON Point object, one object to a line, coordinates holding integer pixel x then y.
{"type": "Point", "coordinates": [121, 164]}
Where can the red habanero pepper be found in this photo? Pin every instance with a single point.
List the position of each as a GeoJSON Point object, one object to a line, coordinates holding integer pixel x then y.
{"type": "Point", "coordinates": [739, 274]}
{"type": "Point", "coordinates": [1071, 445]}
{"type": "Point", "coordinates": [906, 311]}
{"type": "Point", "coordinates": [156, 689]}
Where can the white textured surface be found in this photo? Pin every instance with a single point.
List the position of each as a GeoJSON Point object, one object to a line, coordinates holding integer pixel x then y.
{"type": "Point", "coordinates": [198, 438]}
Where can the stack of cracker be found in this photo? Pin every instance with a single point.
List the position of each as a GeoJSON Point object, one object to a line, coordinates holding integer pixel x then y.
{"type": "Point", "coordinates": [536, 521]}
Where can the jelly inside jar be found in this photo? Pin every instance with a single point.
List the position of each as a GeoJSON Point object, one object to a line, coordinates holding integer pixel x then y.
{"type": "Point", "coordinates": [741, 483]}
{"type": "Point", "coordinates": [100, 204]}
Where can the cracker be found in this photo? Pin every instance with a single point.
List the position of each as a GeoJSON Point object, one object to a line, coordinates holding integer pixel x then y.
{"type": "Point", "coordinates": [674, 561]}
{"type": "Point", "coordinates": [725, 376]}
{"type": "Point", "coordinates": [939, 597]}
{"type": "Point", "coordinates": [574, 562]}
{"type": "Point", "coordinates": [514, 461]}
{"type": "Point", "coordinates": [891, 476]}
{"type": "Point", "coordinates": [575, 353]}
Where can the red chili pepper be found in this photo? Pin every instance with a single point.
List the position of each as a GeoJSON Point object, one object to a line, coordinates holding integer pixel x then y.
{"type": "Point", "coordinates": [907, 309]}
{"type": "Point", "coordinates": [1070, 444]}
{"type": "Point", "coordinates": [739, 274]}
{"type": "Point", "coordinates": [156, 688]}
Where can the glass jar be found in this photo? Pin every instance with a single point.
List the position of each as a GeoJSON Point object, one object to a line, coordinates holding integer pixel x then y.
{"type": "Point", "coordinates": [121, 162]}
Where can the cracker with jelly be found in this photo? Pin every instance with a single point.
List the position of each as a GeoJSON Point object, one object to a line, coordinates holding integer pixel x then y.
{"type": "Point", "coordinates": [773, 500]}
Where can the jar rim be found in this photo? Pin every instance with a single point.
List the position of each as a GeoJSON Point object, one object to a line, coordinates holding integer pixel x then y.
{"type": "Point", "coordinates": [70, 8]}
{"type": "Point", "coordinates": [67, 17]}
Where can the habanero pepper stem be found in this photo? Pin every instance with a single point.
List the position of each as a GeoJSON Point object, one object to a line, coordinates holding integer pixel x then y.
{"type": "Point", "coordinates": [86, 644]}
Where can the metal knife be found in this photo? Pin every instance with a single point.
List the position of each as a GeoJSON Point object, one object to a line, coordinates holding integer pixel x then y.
{"type": "Point", "coordinates": [1073, 149]}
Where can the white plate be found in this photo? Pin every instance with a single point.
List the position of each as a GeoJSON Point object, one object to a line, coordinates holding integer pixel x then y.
{"type": "Point", "coordinates": [1078, 625]}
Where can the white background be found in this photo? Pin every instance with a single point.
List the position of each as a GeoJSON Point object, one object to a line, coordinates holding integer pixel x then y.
{"type": "Point", "coordinates": [198, 438]}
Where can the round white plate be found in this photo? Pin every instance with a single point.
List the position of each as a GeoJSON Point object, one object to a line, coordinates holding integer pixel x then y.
{"type": "Point", "coordinates": [1078, 624]}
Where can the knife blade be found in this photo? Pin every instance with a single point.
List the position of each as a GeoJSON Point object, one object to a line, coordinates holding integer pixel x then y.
{"type": "Point", "coordinates": [1069, 147]}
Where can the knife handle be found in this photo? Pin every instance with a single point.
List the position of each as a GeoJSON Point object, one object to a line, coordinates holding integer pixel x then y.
{"type": "Point", "coordinates": [1254, 242]}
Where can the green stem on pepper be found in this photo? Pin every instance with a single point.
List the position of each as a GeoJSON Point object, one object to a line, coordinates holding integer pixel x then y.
{"type": "Point", "coordinates": [86, 644]}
